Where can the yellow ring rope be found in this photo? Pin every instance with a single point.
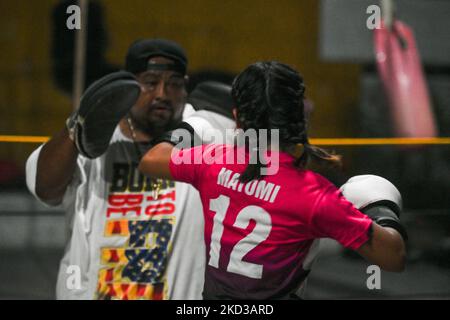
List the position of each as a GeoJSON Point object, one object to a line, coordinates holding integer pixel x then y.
{"type": "Point", "coordinates": [379, 141]}
{"type": "Point", "coordinates": [315, 141]}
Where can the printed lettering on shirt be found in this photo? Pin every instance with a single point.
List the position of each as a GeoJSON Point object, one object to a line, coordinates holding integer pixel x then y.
{"type": "Point", "coordinates": [137, 269]}
{"type": "Point", "coordinates": [260, 189]}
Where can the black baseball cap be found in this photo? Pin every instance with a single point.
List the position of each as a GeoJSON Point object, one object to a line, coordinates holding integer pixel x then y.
{"type": "Point", "coordinates": [213, 96]}
{"type": "Point", "coordinates": [142, 50]}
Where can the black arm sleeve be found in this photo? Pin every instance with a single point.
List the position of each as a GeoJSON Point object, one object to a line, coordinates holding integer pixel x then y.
{"type": "Point", "coordinates": [386, 217]}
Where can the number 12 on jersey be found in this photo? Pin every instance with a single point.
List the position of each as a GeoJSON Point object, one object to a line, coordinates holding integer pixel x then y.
{"type": "Point", "coordinates": [259, 233]}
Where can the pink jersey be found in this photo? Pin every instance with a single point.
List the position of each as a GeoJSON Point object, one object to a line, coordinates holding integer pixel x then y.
{"type": "Point", "coordinates": [258, 234]}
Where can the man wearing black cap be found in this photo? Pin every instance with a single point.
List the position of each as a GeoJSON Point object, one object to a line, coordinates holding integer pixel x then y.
{"type": "Point", "coordinates": [160, 67]}
{"type": "Point", "coordinates": [124, 228]}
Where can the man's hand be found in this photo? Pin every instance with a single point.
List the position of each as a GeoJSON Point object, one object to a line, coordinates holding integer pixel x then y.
{"type": "Point", "coordinates": [102, 106]}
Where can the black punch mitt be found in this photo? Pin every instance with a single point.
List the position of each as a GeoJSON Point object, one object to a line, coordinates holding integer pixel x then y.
{"type": "Point", "coordinates": [102, 106]}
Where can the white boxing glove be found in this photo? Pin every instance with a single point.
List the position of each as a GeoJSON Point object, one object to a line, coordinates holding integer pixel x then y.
{"type": "Point", "coordinates": [368, 189]}
{"type": "Point", "coordinates": [376, 197]}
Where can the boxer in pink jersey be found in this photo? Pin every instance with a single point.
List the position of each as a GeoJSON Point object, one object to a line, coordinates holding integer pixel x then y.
{"type": "Point", "coordinates": [260, 224]}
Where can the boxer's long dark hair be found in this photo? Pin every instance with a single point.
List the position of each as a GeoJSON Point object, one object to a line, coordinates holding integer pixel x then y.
{"type": "Point", "coordinates": [269, 95]}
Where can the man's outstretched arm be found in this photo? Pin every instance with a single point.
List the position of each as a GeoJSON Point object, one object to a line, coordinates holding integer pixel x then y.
{"type": "Point", "coordinates": [55, 168]}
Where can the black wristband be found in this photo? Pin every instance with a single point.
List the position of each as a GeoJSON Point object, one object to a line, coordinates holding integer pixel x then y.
{"type": "Point", "coordinates": [386, 217]}
{"type": "Point", "coordinates": [183, 136]}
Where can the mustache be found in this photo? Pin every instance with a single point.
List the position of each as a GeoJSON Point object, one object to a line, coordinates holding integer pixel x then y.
{"type": "Point", "coordinates": [161, 104]}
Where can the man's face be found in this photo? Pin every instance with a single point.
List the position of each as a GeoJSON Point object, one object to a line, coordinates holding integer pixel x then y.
{"type": "Point", "coordinates": [162, 99]}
